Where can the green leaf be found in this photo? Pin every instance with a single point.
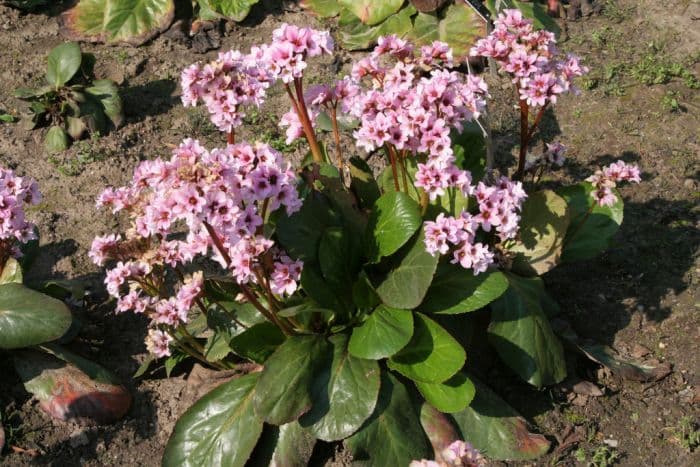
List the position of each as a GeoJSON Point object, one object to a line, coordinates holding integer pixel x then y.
{"type": "Point", "coordinates": [451, 396]}
{"type": "Point", "coordinates": [393, 435]}
{"type": "Point", "coordinates": [68, 386]}
{"type": "Point", "coordinates": [220, 429]}
{"type": "Point", "coordinates": [406, 284]}
{"type": "Point", "coordinates": [323, 293]}
{"type": "Point", "coordinates": [394, 219]}
{"type": "Point", "coordinates": [457, 290]}
{"type": "Point", "coordinates": [495, 428]}
{"type": "Point", "coordinates": [107, 93]}
{"type": "Point", "coordinates": [283, 393]}
{"type": "Point", "coordinates": [372, 12]}
{"type": "Point", "coordinates": [364, 296]}
{"type": "Point", "coordinates": [432, 355]}
{"type": "Point", "coordinates": [322, 8]}
{"type": "Point", "coordinates": [130, 21]}
{"type": "Point", "coordinates": [294, 447]}
{"type": "Point", "coordinates": [355, 35]}
{"type": "Point", "coordinates": [386, 180]}
{"type": "Point", "coordinates": [384, 332]}
{"type": "Point", "coordinates": [75, 127]}
{"type": "Point", "coordinates": [362, 182]}
{"type": "Point", "coordinates": [11, 272]}
{"type": "Point", "coordinates": [56, 140]}
{"type": "Point", "coordinates": [172, 361]}
{"type": "Point", "coordinates": [521, 334]}
{"type": "Point", "coordinates": [425, 29]}
{"type": "Point", "coordinates": [344, 395]}
{"type": "Point", "coordinates": [338, 257]}
{"type": "Point", "coordinates": [543, 224]}
{"type": "Point", "coordinates": [236, 10]}
{"type": "Point", "coordinates": [301, 232]}
{"type": "Point", "coordinates": [64, 62]}
{"type": "Point", "coordinates": [461, 27]}
{"type": "Point", "coordinates": [469, 149]}
{"type": "Point", "coordinates": [258, 342]}
{"type": "Point", "coordinates": [29, 318]}
{"type": "Point", "coordinates": [439, 427]}
{"type": "Point", "coordinates": [589, 234]}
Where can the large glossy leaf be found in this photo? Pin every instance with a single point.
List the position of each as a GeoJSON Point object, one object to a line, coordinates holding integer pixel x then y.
{"type": "Point", "coordinates": [461, 27]}
{"type": "Point", "coordinates": [283, 392]}
{"type": "Point", "coordinates": [440, 429]}
{"type": "Point", "coordinates": [64, 61]}
{"type": "Point", "coordinates": [496, 429]}
{"type": "Point", "coordinates": [301, 232]}
{"type": "Point", "coordinates": [425, 29]}
{"type": "Point", "coordinates": [130, 21]}
{"type": "Point", "coordinates": [363, 183]}
{"type": "Point", "coordinates": [321, 8]}
{"type": "Point", "coordinates": [543, 225]}
{"type": "Point", "coordinates": [394, 219]}
{"type": "Point", "coordinates": [393, 435]}
{"type": "Point", "coordinates": [29, 318]}
{"type": "Point", "coordinates": [384, 332]}
{"type": "Point", "coordinates": [344, 395]}
{"type": "Point", "coordinates": [329, 296]}
{"type": "Point", "coordinates": [220, 429]}
{"type": "Point", "coordinates": [469, 148]}
{"type": "Point", "coordinates": [236, 10]}
{"type": "Point", "coordinates": [294, 446]}
{"type": "Point", "coordinates": [372, 12]}
{"type": "Point", "coordinates": [408, 281]}
{"type": "Point", "coordinates": [592, 227]}
{"type": "Point", "coordinates": [431, 356]}
{"type": "Point", "coordinates": [355, 35]}
{"type": "Point", "coordinates": [450, 396]}
{"type": "Point", "coordinates": [107, 93]}
{"type": "Point", "coordinates": [521, 334]}
{"type": "Point", "coordinates": [258, 342]}
{"type": "Point", "coordinates": [69, 387]}
{"type": "Point", "coordinates": [457, 290]}
{"type": "Point", "coordinates": [339, 257]}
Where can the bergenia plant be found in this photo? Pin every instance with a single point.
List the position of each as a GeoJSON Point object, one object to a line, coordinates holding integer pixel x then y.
{"type": "Point", "coordinates": [66, 385]}
{"type": "Point", "coordinates": [347, 300]}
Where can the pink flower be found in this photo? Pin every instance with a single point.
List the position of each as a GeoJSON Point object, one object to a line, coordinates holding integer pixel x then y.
{"type": "Point", "coordinates": [158, 343]}
{"type": "Point", "coordinates": [476, 257]}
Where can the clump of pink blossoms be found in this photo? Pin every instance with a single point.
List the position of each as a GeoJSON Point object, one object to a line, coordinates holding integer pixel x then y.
{"type": "Point", "coordinates": [499, 206]}
{"type": "Point", "coordinates": [410, 107]}
{"type": "Point", "coordinates": [457, 454]}
{"type": "Point", "coordinates": [236, 80]}
{"type": "Point", "coordinates": [605, 180]}
{"type": "Point", "coordinates": [531, 58]}
{"type": "Point", "coordinates": [15, 193]}
{"type": "Point", "coordinates": [200, 203]}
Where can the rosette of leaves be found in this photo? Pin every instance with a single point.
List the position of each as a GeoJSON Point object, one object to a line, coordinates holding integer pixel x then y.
{"type": "Point", "coordinates": [377, 359]}
{"type": "Point", "coordinates": [67, 386]}
{"type": "Point", "coordinates": [423, 21]}
{"type": "Point", "coordinates": [71, 104]}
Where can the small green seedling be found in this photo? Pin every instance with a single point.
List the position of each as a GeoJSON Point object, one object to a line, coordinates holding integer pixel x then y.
{"type": "Point", "coordinates": [71, 104]}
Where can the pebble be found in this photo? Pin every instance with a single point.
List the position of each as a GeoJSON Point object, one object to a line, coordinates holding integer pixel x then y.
{"type": "Point", "coordinates": [78, 438]}
{"type": "Point", "coordinates": [690, 183]}
{"type": "Point", "coordinates": [613, 443]}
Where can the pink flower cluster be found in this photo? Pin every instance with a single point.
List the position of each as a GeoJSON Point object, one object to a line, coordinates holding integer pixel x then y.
{"type": "Point", "coordinates": [530, 57]}
{"type": "Point", "coordinates": [457, 454]}
{"type": "Point", "coordinates": [412, 110]}
{"type": "Point", "coordinates": [605, 180]}
{"type": "Point", "coordinates": [15, 192]}
{"type": "Point", "coordinates": [237, 80]}
{"type": "Point", "coordinates": [199, 203]}
{"type": "Point", "coordinates": [499, 206]}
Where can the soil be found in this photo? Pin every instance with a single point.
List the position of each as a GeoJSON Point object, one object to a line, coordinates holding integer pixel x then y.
{"type": "Point", "coordinates": [640, 297]}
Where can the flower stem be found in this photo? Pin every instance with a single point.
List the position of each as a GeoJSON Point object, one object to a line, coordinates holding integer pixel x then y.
{"type": "Point", "coordinates": [336, 137]}
{"type": "Point", "coordinates": [303, 113]}
{"type": "Point", "coordinates": [392, 160]}
{"type": "Point", "coordinates": [231, 137]}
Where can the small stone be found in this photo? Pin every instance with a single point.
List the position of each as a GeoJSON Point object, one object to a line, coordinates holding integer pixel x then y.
{"type": "Point", "coordinates": [690, 183]}
{"type": "Point", "coordinates": [662, 345]}
{"type": "Point", "coordinates": [613, 443]}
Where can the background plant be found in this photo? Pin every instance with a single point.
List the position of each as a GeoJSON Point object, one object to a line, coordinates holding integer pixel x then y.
{"type": "Point", "coordinates": [72, 103]}
{"type": "Point", "coordinates": [349, 301]}
{"type": "Point", "coordinates": [66, 385]}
